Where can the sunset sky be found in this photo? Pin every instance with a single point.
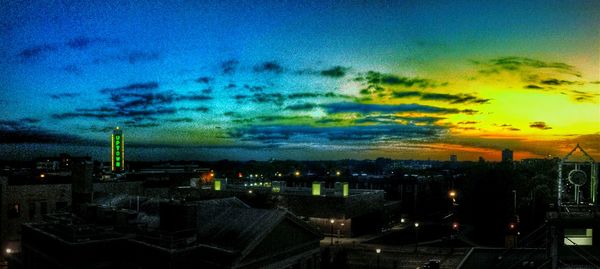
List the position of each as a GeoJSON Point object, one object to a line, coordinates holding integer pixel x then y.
{"type": "Point", "coordinates": [257, 80]}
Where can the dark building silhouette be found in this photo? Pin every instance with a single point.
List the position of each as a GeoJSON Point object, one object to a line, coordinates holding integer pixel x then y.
{"type": "Point", "coordinates": [221, 233]}
{"type": "Point", "coordinates": [507, 155]}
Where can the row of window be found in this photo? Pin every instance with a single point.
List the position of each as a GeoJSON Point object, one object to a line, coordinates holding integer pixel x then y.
{"type": "Point", "coordinates": [15, 209]}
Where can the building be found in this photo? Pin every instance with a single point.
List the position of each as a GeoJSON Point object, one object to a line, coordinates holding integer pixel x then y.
{"type": "Point", "coordinates": [117, 153]}
{"type": "Point", "coordinates": [507, 155]}
{"type": "Point", "coordinates": [453, 158]}
{"type": "Point", "coordinates": [171, 234]}
{"type": "Point", "coordinates": [354, 211]}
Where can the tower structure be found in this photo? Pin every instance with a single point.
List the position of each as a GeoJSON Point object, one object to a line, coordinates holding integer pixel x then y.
{"type": "Point", "coordinates": [573, 176]}
{"type": "Point", "coordinates": [117, 153]}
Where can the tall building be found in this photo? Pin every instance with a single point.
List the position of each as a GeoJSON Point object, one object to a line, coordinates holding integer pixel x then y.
{"type": "Point", "coordinates": [117, 153]}
{"type": "Point", "coordinates": [507, 155]}
{"type": "Point", "coordinates": [453, 158]}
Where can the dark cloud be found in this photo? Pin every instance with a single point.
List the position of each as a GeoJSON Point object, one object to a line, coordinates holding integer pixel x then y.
{"type": "Point", "coordinates": [207, 91]}
{"type": "Point", "coordinates": [374, 78]}
{"type": "Point", "coordinates": [451, 98]}
{"type": "Point", "coordinates": [177, 120]}
{"type": "Point", "coordinates": [230, 86]}
{"type": "Point", "coordinates": [204, 80]}
{"type": "Point", "coordinates": [532, 86]}
{"type": "Point", "coordinates": [557, 82]}
{"type": "Point", "coordinates": [513, 129]}
{"type": "Point", "coordinates": [192, 97]}
{"type": "Point", "coordinates": [539, 125]}
{"type": "Point", "coordinates": [335, 72]}
{"type": "Point", "coordinates": [390, 118]}
{"type": "Point", "coordinates": [132, 57]}
{"type": "Point", "coordinates": [83, 42]}
{"type": "Point", "coordinates": [272, 118]}
{"type": "Point", "coordinates": [303, 106]}
{"type": "Point", "coordinates": [262, 98]}
{"type": "Point", "coordinates": [73, 69]}
{"type": "Point", "coordinates": [454, 98]}
{"type": "Point", "coordinates": [370, 108]}
{"type": "Point", "coordinates": [140, 56]}
{"type": "Point", "coordinates": [228, 67]}
{"type": "Point", "coordinates": [270, 66]}
{"type": "Point", "coordinates": [132, 87]}
{"type": "Point", "coordinates": [36, 51]}
{"type": "Point", "coordinates": [255, 88]}
{"type": "Point", "coordinates": [64, 95]}
{"type": "Point", "coordinates": [23, 131]}
{"type": "Point", "coordinates": [302, 133]}
{"type": "Point", "coordinates": [405, 94]}
{"type": "Point", "coordinates": [467, 122]}
{"type": "Point", "coordinates": [143, 125]}
{"type": "Point", "coordinates": [512, 64]}
{"type": "Point", "coordinates": [240, 97]}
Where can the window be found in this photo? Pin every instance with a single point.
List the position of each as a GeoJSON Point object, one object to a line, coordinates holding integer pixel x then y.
{"type": "Point", "coordinates": [31, 210]}
{"type": "Point", "coordinates": [61, 206]}
{"type": "Point", "coordinates": [14, 210]}
{"type": "Point", "coordinates": [579, 237]}
{"type": "Point", "coordinates": [44, 208]}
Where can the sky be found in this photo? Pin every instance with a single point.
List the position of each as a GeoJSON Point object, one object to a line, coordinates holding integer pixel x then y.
{"type": "Point", "coordinates": [306, 80]}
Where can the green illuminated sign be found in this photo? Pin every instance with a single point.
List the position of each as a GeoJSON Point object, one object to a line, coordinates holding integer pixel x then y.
{"type": "Point", "coordinates": [217, 185]}
{"type": "Point", "coordinates": [117, 151]}
{"type": "Point", "coordinates": [345, 189]}
{"type": "Point", "coordinates": [316, 188]}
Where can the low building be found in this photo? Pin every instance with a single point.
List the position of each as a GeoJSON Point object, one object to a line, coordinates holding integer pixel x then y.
{"type": "Point", "coordinates": [222, 233]}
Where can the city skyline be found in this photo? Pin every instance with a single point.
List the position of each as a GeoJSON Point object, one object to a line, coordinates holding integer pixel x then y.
{"type": "Point", "coordinates": [306, 81]}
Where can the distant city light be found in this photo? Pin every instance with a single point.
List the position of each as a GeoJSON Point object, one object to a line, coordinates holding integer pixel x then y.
{"type": "Point", "coordinates": [332, 221]}
{"type": "Point", "coordinates": [416, 225]}
{"type": "Point", "coordinates": [378, 250]}
{"type": "Point", "coordinates": [9, 251]}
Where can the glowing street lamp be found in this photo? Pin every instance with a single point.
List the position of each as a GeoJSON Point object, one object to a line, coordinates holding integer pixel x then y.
{"type": "Point", "coordinates": [416, 236]}
{"type": "Point", "coordinates": [378, 251]}
{"type": "Point", "coordinates": [331, 221]}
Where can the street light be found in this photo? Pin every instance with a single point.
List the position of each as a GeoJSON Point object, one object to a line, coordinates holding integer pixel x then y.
{"type": "Point", "coordinates": [378, 251]}
{"type": "Point", "coordinates": [331, 221]}
{"type": "Point", "coordinates": [416, 236]}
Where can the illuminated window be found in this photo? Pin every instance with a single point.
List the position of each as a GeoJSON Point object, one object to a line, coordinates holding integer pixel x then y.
{"type": "Point", "coordinates": [579, 237]}
{"type": "Point", "coordinates": [316, 188]}
{"type": "Point", "coordinates": [217, 185]}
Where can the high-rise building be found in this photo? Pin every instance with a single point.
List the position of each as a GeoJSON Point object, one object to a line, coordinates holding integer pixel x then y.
{"type": "Point", "coordinates": [117, 153]}
{"type": "Point", "coordinates": [453, 158]}
{"type": "Point", "coordinates": [507, 155]}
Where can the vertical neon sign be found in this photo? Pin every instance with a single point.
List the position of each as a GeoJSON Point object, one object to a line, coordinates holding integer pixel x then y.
{"type": "Point", "coordinates": [117, 150]}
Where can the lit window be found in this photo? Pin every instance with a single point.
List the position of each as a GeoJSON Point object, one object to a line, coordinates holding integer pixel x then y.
{"type": "Point", "coordinates": [579, 237]}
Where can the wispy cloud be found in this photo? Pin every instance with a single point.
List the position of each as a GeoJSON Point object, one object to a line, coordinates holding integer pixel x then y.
{"type": "Point", "coordinates": [539, 125]}
{"type": "Point", "coordinates": [369, 108]}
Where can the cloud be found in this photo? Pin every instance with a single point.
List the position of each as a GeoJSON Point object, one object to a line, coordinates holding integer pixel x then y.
{"type": "Point", "coordinates": [374, 78]}
{"type": "Point", "coordinates": [192, 97]}
{"type": "Point", "coordinates": [228, 67]}
{"type": "Point", "coordinates": [467, 122]}
{"type": "Point", "coordinates": [369, 108]}
{"type": "Point", "coordinates": [73, 69]}
{"type": "Point", "coordinates": [556, 82]}
{"type": "Point", "coordinates": [177, 120]}
{"type": "Point", "coordinates": [454, 98]}
{"type": "Point", "coordinates": [131, 57]}
{"type": "Point", "coordinates": [523, 64]}
{"type": "Point", "coordinates": [405, 94]}
{"type": "Point", "coordinates": [202, 109]}
{"type": "Point", "coordinates": [204, 80]}
{"type": "Point", "coordinates": [36, 52]}
{"type": "Point", "coordinates": [535, 87]}
{"type": "Point", "coordinates": [540, 125]}
{"type": "Point", "coordinates": [132, 87]}
{"type": "Point", "coordinates": [389, 118]}
{"type": "Point", "coordinates": [64, 95]}
{"type": "Point", "coordinates": [82, 42]}
{"type": "Point", "coordinates": [451, 98]}
{"type": "Point", "coordinates": [335, 72]}
{"type": "Point", "coordinates": [303, 106]}
{"type": "Point", "coordinates": [303, 133]}
{"type": "Point", "coordinates": [270, 66]}
{"type": "Point", "coordinates": [23, 131]}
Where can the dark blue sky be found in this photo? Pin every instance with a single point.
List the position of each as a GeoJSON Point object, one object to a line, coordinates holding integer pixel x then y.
{"type": "Point", "coordinates": [302, 80]}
